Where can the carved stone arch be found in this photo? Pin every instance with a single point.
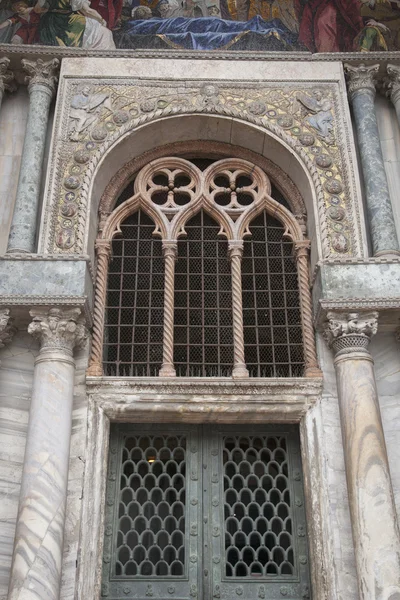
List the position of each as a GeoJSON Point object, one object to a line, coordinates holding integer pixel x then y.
{"type": "Point", "coordinates": [213, 211]}
{"type": "Point", "coordinates": [130, 206]}
{"type": "Point", "coordinates": [274, 209]}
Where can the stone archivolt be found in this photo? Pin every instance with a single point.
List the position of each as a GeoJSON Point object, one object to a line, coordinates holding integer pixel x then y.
{"type": "Point", "coordinates": [304, 118]}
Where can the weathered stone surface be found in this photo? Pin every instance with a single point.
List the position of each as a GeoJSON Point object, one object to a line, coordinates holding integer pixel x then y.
{"type": "Point", "coordinates": [38, 549]}
{"type": "Point", "coordinates": [41, 89]}
{"type": "Point", "coordinates": [379, 207]}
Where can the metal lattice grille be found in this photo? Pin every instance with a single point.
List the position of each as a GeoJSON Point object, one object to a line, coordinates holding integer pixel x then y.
{"type": "Point", "coordinates": [271, 314]}
{"type": "Point", "coordinates": [258, 522]}
{"type": "Point", "coordinates": [203, 343]}
{"type": "Point", "coordinates": [152, 499]}
{"type": "Point", "coordinates": [135, 299]}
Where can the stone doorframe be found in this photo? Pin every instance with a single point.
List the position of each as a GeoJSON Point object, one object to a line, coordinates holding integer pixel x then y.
{"type": "Point", "coordinates": [151, 400]}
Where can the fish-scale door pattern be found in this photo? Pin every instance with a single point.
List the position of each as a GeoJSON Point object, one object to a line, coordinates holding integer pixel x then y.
{"type": "Point", "coordinates": [147, 539]}
{"type": "Point", "coordinates": [258, 520]}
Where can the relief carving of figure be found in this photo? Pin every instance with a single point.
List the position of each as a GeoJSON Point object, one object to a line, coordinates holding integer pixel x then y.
{"type": "Point", "coordinates": [85, 109]}
{"type": "Point", "coordinates": [321, 117]}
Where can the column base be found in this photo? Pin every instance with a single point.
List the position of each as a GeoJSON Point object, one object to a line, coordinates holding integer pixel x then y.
{"type": "Point", "coordinates": [240, 372]}
{"type": "Point", "coordinates": [167, 370]}
{"type": "Point", "coordinates": [387, 254]}
{"type": "Point", "coordinates": [94, 370]}
{"type": "Point", "coordinates": [313, 372]}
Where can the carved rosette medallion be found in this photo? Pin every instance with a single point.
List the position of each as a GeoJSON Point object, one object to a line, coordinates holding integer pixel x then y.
{"type": "Point", "coordinates": [305, 119]}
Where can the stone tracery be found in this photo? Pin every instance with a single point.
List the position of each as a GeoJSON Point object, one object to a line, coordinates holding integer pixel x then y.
{"type": "Point", "coordinates": [233, 192]}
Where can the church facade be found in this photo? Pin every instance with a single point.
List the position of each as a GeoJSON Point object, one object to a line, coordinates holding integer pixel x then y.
{"type": "Point", "coordinates": [199, 302]}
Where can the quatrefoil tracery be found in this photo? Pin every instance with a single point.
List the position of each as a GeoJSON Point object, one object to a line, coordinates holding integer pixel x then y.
{"type": "Point", "coordinates": [174, 189]}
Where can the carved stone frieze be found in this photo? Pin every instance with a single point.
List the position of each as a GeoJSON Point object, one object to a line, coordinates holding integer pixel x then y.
{"type": "Point", "coordinates": [304, 117]}
{"type": "Point", "coordinates": [58, 328]}
{"type": "Point", "coordinates": [7, 330]}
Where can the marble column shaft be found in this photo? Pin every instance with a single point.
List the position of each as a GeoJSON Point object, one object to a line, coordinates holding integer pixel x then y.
{"type": "Point", "coordinates": [38, 546]}
{"type": "Point", "coordinates": [170, 252]}
{"type": "Point", "coordinates": [372, 508]}
{"type": "Point", "coordinates": [6, 77]}
{"type": "Point", "coordinates": [361, 83]}
{"type": "Point", "coordinates": [41, 85]}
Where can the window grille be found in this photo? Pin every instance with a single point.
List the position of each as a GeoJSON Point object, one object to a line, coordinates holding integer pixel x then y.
{"type": "Point", "coordinates": [271, 315]}
{"type": "Point", "coordinates": [190, 509]}
{"type": "Point", "coordinates": [134, 310]}
{"type": "Point", "coordinates": [203, 302]}
{"type": "Point", "coordinates": [232, 306]}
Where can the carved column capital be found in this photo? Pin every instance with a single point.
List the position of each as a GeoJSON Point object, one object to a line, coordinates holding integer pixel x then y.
{"type": "Point", "coordinates": [235, 248]}
{"type": "Point", "coordinates": [58, 328]}
{"type": "Point", "coordinates": [392, 82]}
{"type": "Point", "coordinates": [361, 79]}
{"type": "Point", "coordinates": [40, 72]}
{"type": "Point", "coordinates": [350, 332]}
{"type": "Point", "coordinates": [170, 248]}
{"type": "Point", "coordinates": [103, 247]}
{"type": "Point", "coordinates": [302, 248]}
{"type": "Point", "coordinates": [6, 76]}
{"type": "Point", "coordinates": [7, 330]}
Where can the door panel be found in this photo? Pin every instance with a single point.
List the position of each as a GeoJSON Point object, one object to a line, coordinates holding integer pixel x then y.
{"type": "Point", "coordinates": [257, 525]}
{"type": "Point", "coordinates": [204, 513]}
{"type": "Point", "coordinates": [152, 539]}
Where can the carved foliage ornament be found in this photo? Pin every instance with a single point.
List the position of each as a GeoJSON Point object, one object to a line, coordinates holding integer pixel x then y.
{"type": "Point", "coordinates": [58, 328]}
{"type": "Point", "coordinates": [100, 114]}
{"type": "Point", "coordinates": [41, 72]}
{"type": "Point", "coordinates": [7, 330]}
{"type": "Point", "coordinates": [350, 331]}
{"type": "Point", "coordinates": [361, 78]}
{"type": "Point", "coordinates": [6, 76]}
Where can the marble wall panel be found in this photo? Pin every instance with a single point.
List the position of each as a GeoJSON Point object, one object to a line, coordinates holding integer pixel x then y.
{"type": "Point", "coordinates": [16, 374]}
{"type": "Point", "coordinates": [386, 352]}
{"type": "Point", "coordinates": [75, 478]}
{"type": "Point", "coordinates": [333, 468]}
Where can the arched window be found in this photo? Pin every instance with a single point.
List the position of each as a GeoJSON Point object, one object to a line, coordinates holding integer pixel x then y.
{"type": "Point", "coordinates": [202, 273]}
{"type": "Point", "coordinates": [203, 336]}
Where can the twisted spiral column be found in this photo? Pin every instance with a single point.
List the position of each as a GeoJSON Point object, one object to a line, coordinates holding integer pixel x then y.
{"type": "Point", "coordinates": [103, 252]}
{"type": "Point", "coordinates": [170, 251]}
{"type": "Point", "coordinates": [310, 354]}
{"type": "Point", "coordinates": [235, 254]}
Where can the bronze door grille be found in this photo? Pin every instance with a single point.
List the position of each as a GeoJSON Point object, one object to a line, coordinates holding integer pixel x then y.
{"type": "Point", "coordinates": [204, 512]}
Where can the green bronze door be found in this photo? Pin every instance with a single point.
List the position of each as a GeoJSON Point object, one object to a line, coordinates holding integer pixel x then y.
{"type": "Point", "coordinates": [205, 512]}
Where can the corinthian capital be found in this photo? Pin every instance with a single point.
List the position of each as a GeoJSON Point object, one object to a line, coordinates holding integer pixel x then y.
{"type": "Point", "coordinates": [58, 328]}
{"type": "Point", "coordinates": [393, 82]}
{"type": "Point", "coordinates": [41, 72]}
{"type": "Point", "coordinates": [6, 76]}
{"type": "Point", "coordinates": [348, 332]}
{"type": "Point", "coordinates": [361, 79]}
{"type": "Point", "coordinates": [6, 328]}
